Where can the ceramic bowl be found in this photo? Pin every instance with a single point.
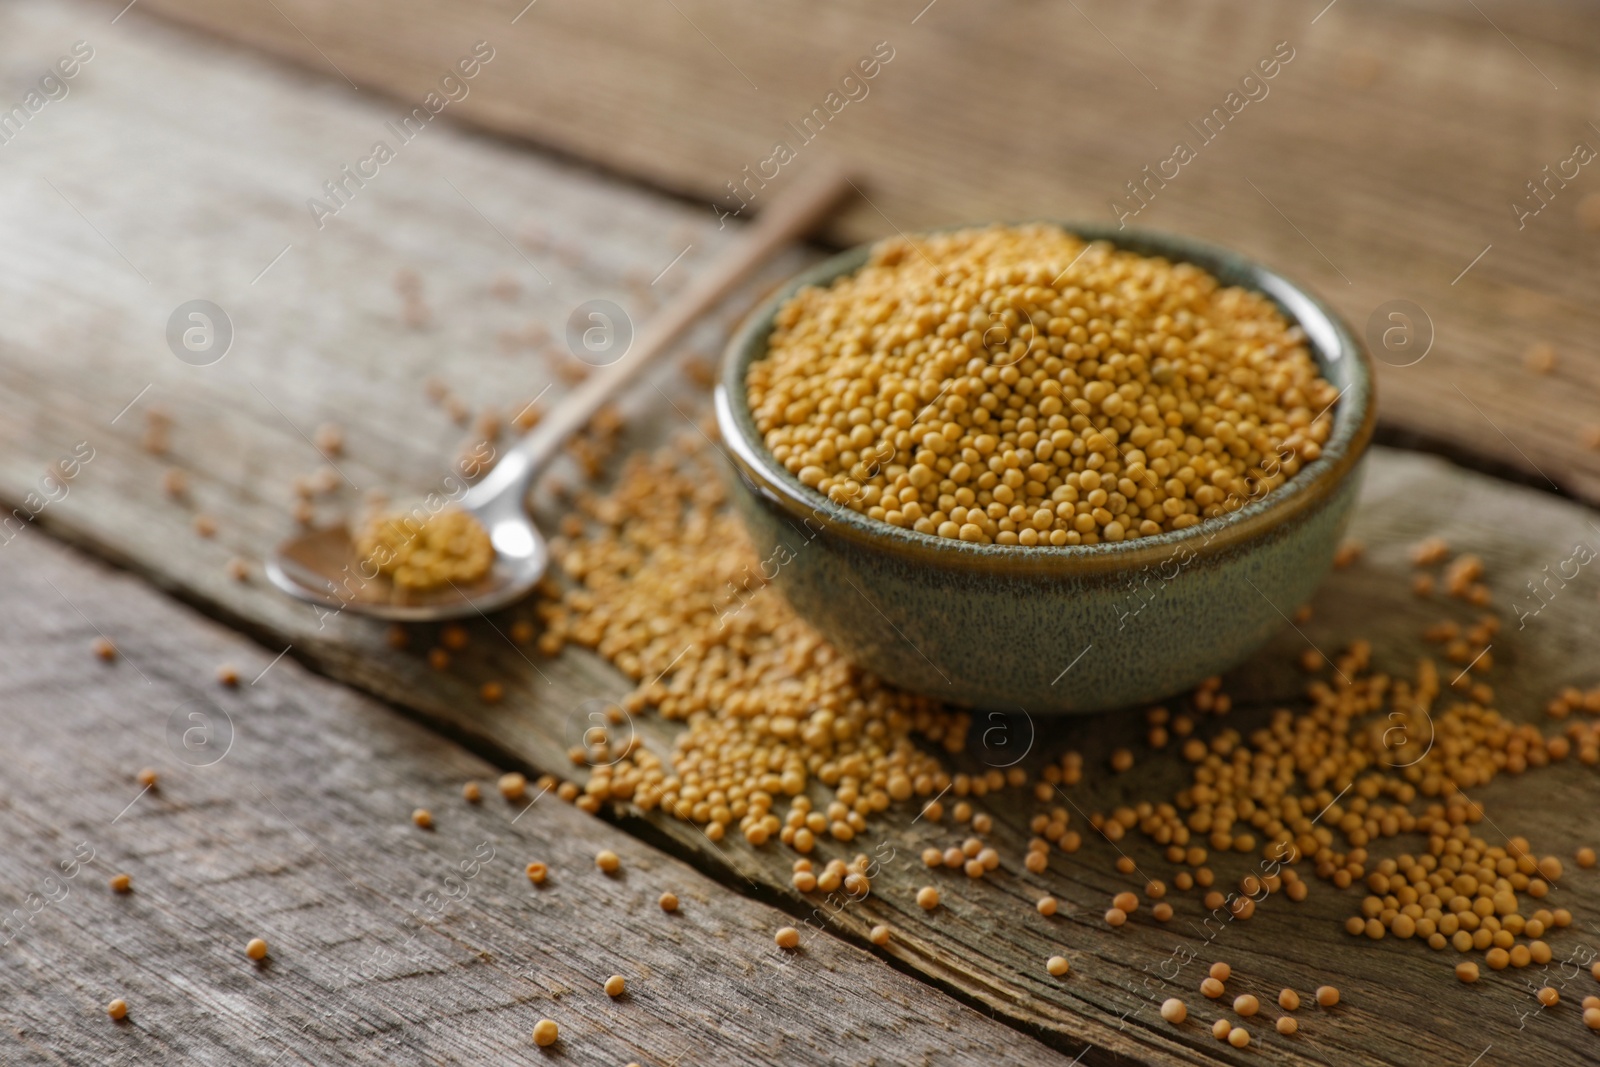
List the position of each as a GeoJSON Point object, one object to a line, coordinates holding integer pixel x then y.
{"type": "Point", "coordinates": [1056, 629]}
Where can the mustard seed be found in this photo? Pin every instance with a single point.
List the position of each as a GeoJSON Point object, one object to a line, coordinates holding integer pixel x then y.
{"type": "Point", "coordinates": [513, 786]}
{"type": "Point", "coordinates": [148, 777]}
{"type": "Point", "coordinates": [879, 936]}
{"type": "Point", "coordinates": [615, 985]}
{"type": "Point", "coordinates": [1327, 996]}
{"type": "Point", "coordinates": [1128, 903]}
{"type": "Point", "coordinates": [1212, 988]}
{"type": "Point", "coordinates": [121, 883]}
{"type": "Point", "coordinates": [668, 901]}
{"type": "Point", "coordinates": [537, 872]}
{"type": "Point", "coordinates": [545, 1033]}
{"type": "Point", "coordinates": [1549, 996]}
{"type": "Point", "coordinates": [975, 373]}
{"type": "Point", "coordinates": [1467, 971]}
{"type": "Point", "coordinates": [928, 898]}
{"type": "Point", "coordinates": [1174, 1010]}
{"type": "Point", "coordinates": [1116, 917]}
{"type": "Point", "coordinates": [228, 675]}
{"type": "Point", "coordinates": [607, 860]}
{"type": "Point", "coordinates": [105, 649]}
{"type": "Point", "coordinates": [1057, 966]}
{"type": "Point", "coordinates": [787, 937]}
{"type": "Point", "coordinates": [471, 793]}
{"type": "Point", "coordinates": [1591, 1018]}
{"type": "Point", "coordinates": [256, 949]}
{"type": "Point", "coordinates": [1047, 905]}
{"type": "Point", "coordinates": [1286, 1025]}
{"type": "Point", "coordinates": [1220, 1029]}
{"type": "Point", "coordinates": [1238, 1037]}
{"type": "Point", "coordinates": [1246, 1005]}
{"type": "Point", "coordinates": [1289, 1000]}
{"type": "Point", "coordinates": [1586, 857]}
{"type": "Point", "coordinates": [423, 818]}
{"type": "Point", "coordinates": [117, 1009]}
{"type": "Point", "coordinates": [1220, 971]}
{"type": "Point", "coordinates": [1162, 912]}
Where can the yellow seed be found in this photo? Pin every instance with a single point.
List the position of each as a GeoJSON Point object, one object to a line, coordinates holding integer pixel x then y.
{"type": "Point", "coordinates": [471, 793]}
{"type": "Point", "coordinates": [1591, 1018]}
{"type": "Point", "coordinates": [513, 786]}
{"type": "Point", "coordinates": [1127, 903]}
{"type": "Point", "coordinates": [1246, 1005]}
{"type": "Point", "coordinates": [1289, 1000]}
{"type": "Point", "coordinates": [121, 883]}
{"type": "Point", "coordinates": [1286, 1024]}
{"type": "Point", "coordinates": [1327, 996]}
{"type": "Point", "coordinates": [1467, 971]}
{"type": "Point", "coordinates": [256, 949]}
{"type": "Point", "coordinates": [228, 675]}
{"type": "Point", "coordinates": [1220, 971]}
{"type": "Point", "coordinates": [423, 818]}
{"type": "Point", "coordinates": [1047, 905]}
{"type": "Point", "coordinates": [1057, 966]}
{"type": "Point", "coordinates": [1174, 1010]}
{"type": "Point", "coordinates": [879, 936]}
{"type": "Point", "coordinates": [1549, 996]}
{"type": "Point", "coordinates": [536, 872]}
{"type": "Point", "coordinates": [105, 649]}
{"type": "Point", "coordinates": [928, 898]}
{"type": "Point", "coordinates": [118, 1009]}
{"type": "Point", "coordinates": [669, 901]}
{"type": "Point", "coordinates": [1212, 988]}
{"type": "Point", "coordinates": [615, 985]}
{"type": "Point", "coordinates": [787, 937]}
{"type": "Point", "coordinates": [607, 860]}
{"type": "Point", "coordinates": [1238, 1037]}
{"type": "Point", "coordinates": [148, 777]}
{"type": "Point", "coordinates": [1220, 1029]}
{"type": "Point", "coordinates": [545, 1033]}
{"type": "Point", "coordinates": [1116, 917]}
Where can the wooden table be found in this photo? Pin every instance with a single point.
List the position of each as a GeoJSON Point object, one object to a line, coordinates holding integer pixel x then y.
{"type": "Point", "coordinates": [179, 168]}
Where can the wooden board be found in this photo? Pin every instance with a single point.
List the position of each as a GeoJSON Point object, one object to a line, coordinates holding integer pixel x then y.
{"type": "Point", "coordinates": [283, 811]}
{"type": "Point", "coordinates": [321, 338]}
{"type": "Point", "coordinates": [1381, 164]}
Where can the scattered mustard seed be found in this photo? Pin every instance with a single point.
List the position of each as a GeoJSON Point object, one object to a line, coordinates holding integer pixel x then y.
{"type": "Point", "coordinates": [256, 949]}
{"type": "Point", "coordinates": [668, 901]}
{"type": "Point", "coordinates": [471, 793]}
{"type": "Point", "coordinates": [1549, 996]}
{"type": "Point", "coordinates": [1246, 1005]}
{"type": "Point", "coordinates": [879, 936]}
{"type": "Point", "coordinates": [513, 786]}
{"type": "Point", "coordinates": [615, 985]}
{"type": "Point", "coordinates": [117, 1009]}
{"type": "Point", "coordinates": [787, 937]}
{"type": "Point", "coordinates": [607, 860]}
{"type": "Point", "coordinates": [1220, 971]}
{"type": "Point", "coordinates": [545, 1033]}
{"type": "Point", "coordinates": [1127, 903]}
{"type": "Point", "coordinates": [1047, 905]}
{"type": "Point", "coordinates": [1238, 1037]}
{"type": "Point", "coordinates": [491, 692]}
{"type": "Point", "coordinates": [1212, 988]}
{"type": "Point", "coordinates": [121, 883]}
{"type": "Point", "coordinates": [928, 897]}
{"type": "Point", "coordinates": [1467, 971]}
{"type": "Point", "coordinates": [1289, 1000]}
{"type": "Point", "coordinates": [536, 872]}
{"type": "Point", "coordinates": [1116, 917]}
{"type": "Point", "coordinates": [1591, 1018]}
{"type": "Point", "coordinates": [423, 818]}
{"type": "Point", "coordinates": [1286, 1024]}
{"type": "Point", "coordinates": [228, 675]}
{"type": "Point", "coordinates": [1220, 1029]}
{"type": "Point", "coordinates": [1174, 1010]}
{"type": "Point", "coordinates": [1327, 996]}
{"type": "Point", "coordinates": [105, 649]}
{"type": "Point", "coordinates": [1057, 966]}
{"type": "Point", "coordinates": [148, 777]}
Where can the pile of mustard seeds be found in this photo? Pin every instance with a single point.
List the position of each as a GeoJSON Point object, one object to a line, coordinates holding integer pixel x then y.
{"type": "Point", "coordinates": [665, 586]}
{"type": "Point", "coordinates": [1014, 385]}
{"type": "Point", "coordinates": [420, 551]}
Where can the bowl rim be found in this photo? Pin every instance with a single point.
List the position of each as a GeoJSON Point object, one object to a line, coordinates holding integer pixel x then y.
{"type": "Point", "coordinates": [1329, 338]}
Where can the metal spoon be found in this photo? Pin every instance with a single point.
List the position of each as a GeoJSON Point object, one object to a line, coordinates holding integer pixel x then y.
{"type": "Point", "coordinates": [324, 567]}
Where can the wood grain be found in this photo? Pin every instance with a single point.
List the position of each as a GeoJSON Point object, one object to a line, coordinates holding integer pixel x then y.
{"type": "Point", "coordinates": [1382, 161]}
{"type": "Point", "coordinates": [321, 337]}
{"type": "Point", "coordinates": [283, 812]}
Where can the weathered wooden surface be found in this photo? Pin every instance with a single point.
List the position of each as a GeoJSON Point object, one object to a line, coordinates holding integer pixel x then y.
{"type": "Point", "coordinates": [320, 335]}
{"type": "Point", "coordinates": [1382, 161]}
{"type": "Point", "coordinates": [285, 813]}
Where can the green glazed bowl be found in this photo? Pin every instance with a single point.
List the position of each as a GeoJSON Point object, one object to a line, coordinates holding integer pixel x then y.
{"type": "Point", "coordinates": [1056, 629]}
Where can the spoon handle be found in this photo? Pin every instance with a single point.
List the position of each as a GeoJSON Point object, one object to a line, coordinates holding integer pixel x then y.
{"type": "Point", "coordinates": [791, 214]}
